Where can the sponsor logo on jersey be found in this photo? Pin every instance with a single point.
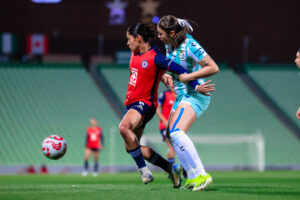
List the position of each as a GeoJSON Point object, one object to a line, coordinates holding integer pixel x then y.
{"type": "Point", "coordinates": [133, 77]}
{"type": "Point", "coordinates": [199, 50]}
{"type": "Point", "coordinates": [181, 55]}
{"type": "Point", "coordinates": [144, 64]}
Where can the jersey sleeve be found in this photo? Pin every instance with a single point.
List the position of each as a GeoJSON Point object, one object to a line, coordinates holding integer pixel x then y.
{"type": "Point", "coordinates": [166, 63]}
{"type": "Point", "coordinates": [161, 98]}
{"type": "Point", "coordinates": [195, 51]}
{"type": "Point", "coordinates": [163, 62]}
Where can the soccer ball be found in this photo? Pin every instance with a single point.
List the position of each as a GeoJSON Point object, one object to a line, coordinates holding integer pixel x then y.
{"type": "Point", "coordinates": [54, 147]}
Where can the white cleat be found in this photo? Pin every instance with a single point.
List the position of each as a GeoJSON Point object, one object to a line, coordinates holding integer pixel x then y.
{"type": "Point", "coordinates": [95, 174]}
{"type": "Point", "coordinates": [84, 173]}
{"type": "Point", "coordinates": [145, 175]}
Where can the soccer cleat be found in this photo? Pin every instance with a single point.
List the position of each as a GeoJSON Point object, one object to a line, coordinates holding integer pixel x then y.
{"type": "Point", "coordinates": [84, 173]}
{"type": "Point", "coordinates": [190, 183]}
{"type": "Point", "coordinates": [145, 175]}
{"type": "Point", "coordinates": [95, 174]}
{"type": "Point", "coordinates": [175, 175]}
{"type": "Point", "coordinates": [203, 182]}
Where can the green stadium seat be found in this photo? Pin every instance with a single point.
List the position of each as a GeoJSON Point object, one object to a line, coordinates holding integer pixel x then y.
{"type": "Point", "coordinates": [281, 83]}
{"type": "Point", "coordinates": [40, 100]}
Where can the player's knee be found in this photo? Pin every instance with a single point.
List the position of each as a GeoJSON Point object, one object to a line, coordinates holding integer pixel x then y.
{"type": "Point", "coordinates": [123, 128]}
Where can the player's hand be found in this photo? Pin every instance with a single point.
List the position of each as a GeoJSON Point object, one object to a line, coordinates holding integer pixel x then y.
{"type": "Point", "coordinates": [205, 88]}
{"type": "Point", "coordinates": [167, 80]}
{"type": "Point", "coordinates": [184, 78]}
{"type": "Point", "coordinates": [298, 113]}
{"type": "Point", "coordinates": [165, 122]}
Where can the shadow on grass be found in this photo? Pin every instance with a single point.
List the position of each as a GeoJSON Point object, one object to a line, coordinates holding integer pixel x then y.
{"type": "Point", "coordinates": [258, 190]}
{"type": "Point", "coordinates": [210, 189]}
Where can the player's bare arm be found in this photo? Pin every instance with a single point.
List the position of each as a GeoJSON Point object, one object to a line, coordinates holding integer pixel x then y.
{"type": "Point", "coordinates": [209, 68]}
{"type": "Point", "coordinates": [160, 115]}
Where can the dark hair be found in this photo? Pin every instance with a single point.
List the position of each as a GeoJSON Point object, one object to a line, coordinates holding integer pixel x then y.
{"type": "Point", "coordinates": [146, 31]}
{"type": "Point", "coordinates": [170, 23]}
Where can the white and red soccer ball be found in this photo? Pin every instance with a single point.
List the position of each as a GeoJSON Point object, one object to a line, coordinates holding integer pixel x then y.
{"type": "Point", "coordinates": [54, 147]}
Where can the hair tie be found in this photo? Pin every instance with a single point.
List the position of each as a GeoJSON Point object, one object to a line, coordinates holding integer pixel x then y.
{"type": "Point", "coordinates": [183, 22]}
{"type": "Point", "coordinates": [135, 32]}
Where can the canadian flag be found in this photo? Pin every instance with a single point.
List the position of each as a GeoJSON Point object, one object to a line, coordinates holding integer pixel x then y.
{"type": "Point", "coordinates": [37, 44]}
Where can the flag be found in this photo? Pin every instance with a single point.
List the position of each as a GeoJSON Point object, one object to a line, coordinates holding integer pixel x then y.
{"type": "Point", "coordinates": [8, 43]}
{"type": "Point", "coordinates": [37, 44]}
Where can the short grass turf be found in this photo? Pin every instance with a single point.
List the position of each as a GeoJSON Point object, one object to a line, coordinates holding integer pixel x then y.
{"type": "Point", "coordinates": [227, 185]}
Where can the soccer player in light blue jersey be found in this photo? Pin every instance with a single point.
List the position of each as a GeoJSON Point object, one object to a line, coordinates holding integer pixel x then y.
{"type": "Point", "coordinates": [184, 50]}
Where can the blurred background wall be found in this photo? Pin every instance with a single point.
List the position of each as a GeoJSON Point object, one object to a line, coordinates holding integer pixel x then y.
{"type": "Point", "coordinates": [271, 26]}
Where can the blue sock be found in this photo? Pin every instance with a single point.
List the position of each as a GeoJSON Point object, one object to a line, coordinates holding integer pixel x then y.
{"type": "Point", "coordinates": [95, 167]}
{"type": "Point", "coordinates": [86, 165]}
{"type": "Point", "coordinates": [138, 157]}
{"type": "Point", "coordinates": [171, 160]}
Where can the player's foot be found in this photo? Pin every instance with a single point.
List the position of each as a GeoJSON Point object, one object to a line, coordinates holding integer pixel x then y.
{"type": "Point", "coordinates": [95, 174]}
{"type": "Point", "coordinates": [175, 175]}
{"type": "Point", "coordinates": [84, 173]}
{"type": "Point", "coordinates": [203, 182]}
{"type": "Point", "coordinates": [145, 175]}
{"type": "Point", "coordinates": [190, 183]}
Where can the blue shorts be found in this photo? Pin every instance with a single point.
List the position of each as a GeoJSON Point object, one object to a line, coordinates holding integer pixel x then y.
{"type": "Point", "coordinates": [199, 103]}
{"type": "Point", "coordinates": [94, 149]}
{"type": "Point", "coordinates": [146, 111]}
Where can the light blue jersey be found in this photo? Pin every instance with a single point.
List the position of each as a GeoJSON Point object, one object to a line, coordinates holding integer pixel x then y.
{"type": "Point", "coordinates": [188, 54]}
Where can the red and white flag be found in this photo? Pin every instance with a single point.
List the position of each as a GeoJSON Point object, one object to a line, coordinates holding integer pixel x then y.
{"type": "Point", "coordinates": [37, 44]}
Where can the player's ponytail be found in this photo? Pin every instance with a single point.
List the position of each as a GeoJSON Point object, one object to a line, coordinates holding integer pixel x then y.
{"type": "Point", "coordinates": [146, 31]}
{"type": "Point", "coordinates": [181, 27]}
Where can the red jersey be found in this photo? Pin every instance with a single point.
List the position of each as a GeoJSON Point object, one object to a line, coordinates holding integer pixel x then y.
{"type": "Point", "coordinates": [145, 75]}
{"type": "Point", "coordinates": [94, 136]}
{"type": "Point", "coordinates": [166, 100]}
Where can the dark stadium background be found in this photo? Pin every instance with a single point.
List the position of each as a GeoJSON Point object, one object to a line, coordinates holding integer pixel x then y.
{"type": "Point", "coordinates": [74, 26]}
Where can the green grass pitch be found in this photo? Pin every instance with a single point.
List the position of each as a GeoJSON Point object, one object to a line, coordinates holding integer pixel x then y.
{"type": "Point", "coordinates": [227, 185]}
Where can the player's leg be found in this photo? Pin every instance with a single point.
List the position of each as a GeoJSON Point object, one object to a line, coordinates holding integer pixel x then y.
{"type": "Point", "coordinates": [191, 173]}
{"type": "Point", "coordinates": [131, 121]}
{"type": "Point", "coordinates": [150, 155]}
{"type": "Point", "coordinates": [171, 152]}
{"type": "Point", "coordinates": [96, 156]}
{"type": "Point", "coordinates": [181, 157]}
{"type": "Point", "coordinates": [156, 159]}
{"type": "Point", "coordinates": [87, 154]}
{"type": "Point", "coordinates": [181, 121]}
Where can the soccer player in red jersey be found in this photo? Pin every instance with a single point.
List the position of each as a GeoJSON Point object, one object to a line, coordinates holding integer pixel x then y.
{"type": "Point", "coordinates": [94, 143]}
{"type": "Point", "coordinates": [165, 102]}
{"type": "Point", "coordinates": [147, 66]}
{"type": "Point", "coordinates": [297, 61]}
